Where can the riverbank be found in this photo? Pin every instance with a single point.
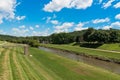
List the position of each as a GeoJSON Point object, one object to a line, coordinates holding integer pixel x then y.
{"type": "Point", "coordinates": [113, 67]}
{"type": "Point", "coordinates": [100, 55]}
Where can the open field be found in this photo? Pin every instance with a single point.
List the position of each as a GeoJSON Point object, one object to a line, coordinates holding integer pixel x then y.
{"type": "Point", "coordinates": [44, 66]}
{"type": "Point", "coordinates": [114, 56]}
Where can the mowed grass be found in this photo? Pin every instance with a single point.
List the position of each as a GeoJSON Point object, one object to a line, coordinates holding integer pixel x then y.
{"type": "Point", "coordinates": [65, 69]}
{"type": "Point", "coordinates": [87, 51]}
{"type": "Point", "coordinates": [43, 65]}
{"type": "Point", "coordinates": [114, 47]}
{"type": "Point", "coordinates": [1, 42]}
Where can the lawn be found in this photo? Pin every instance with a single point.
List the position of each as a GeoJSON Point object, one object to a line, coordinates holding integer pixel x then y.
{"type": "Point", "coordinates": [45, 66]}
{"type": "Point", "coordinates": [115, 47]}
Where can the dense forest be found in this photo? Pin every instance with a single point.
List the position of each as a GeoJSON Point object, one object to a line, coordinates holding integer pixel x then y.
{"type": "Point", "coordinates": [85, 36]}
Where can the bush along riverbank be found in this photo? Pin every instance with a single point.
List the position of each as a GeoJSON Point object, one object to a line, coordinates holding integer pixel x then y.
{"type": "Point", "coordinates": [107, 56]}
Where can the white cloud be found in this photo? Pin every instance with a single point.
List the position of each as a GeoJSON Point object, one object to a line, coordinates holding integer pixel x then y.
{"type": "Point", "coordinates": [64, 27]}
{"type": "Point", "coordinates": [37, 26]}
{"type": "Point", "coordinates": [22, 27]}
{"type": "Point", "coordinates": [20, 17]}
{"type": "Point", "coordinates": [38, 33]}
{"type": "Point", "coordinates": [117, 5]}
{"type": "Point", "coordinates": [7, 9]}
{"type": "Point", "coordinates": [113, 25]}
{"type": "Point", "coordinates": [96, 21]}
{"type": "Point", "coordinates": [31, 28]}
{"type": "Point", "coordinates": [57, 5]}
{"type": "Point", "coordinates": [108, 4]}
{"type": "Point", "coordinates": [107, 27]}
{"type": "Point", "coordinates": [20, 32]}
{"type": "Point", "coordinates": [117, 16]}
{"type": "Point", "coordinates": [55, 22]}
{"type": "Point", "coordinates": [79, 27]}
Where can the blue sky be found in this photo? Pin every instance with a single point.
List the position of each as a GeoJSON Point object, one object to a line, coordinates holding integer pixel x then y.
{"type": "Point", "coordinates": [44, 17]}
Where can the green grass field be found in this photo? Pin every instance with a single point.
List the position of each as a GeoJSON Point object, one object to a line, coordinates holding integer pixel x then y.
{"type": "Point", "coordinates": [87, 51]}
{"type": "Point", "coordinates": [115, 47]}
{"type": "Point", "coordinates": [45, 66]}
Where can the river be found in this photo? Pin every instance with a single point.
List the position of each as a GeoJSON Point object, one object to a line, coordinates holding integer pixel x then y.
{"type": "Point", "coordinates": [113, 67]}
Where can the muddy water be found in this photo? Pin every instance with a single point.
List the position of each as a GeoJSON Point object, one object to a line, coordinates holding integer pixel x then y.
{"type": "Point", "coordinates": [113, 67]}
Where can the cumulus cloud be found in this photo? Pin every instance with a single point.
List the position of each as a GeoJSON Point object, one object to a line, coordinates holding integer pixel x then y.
{"type": "Point", "coordinates": [19, 31]}
{"type": "Point", "coordinates": [113, 25]}
{"type": "Point", "coordinates": [116, 24]}
{"type": "Point", "coordinates": [7, 9]}
{"type": "Point", "coordinates": [80, 27]}
{"type": "Point", "coordinates": [96, 21]}
{"type": "Point", "coordinates": [31, 28]}
{"type": "Point", "coordinates": [37, 26]}
{"type": "Point", "coordinates": [22, 27]}
{"type": "Point", "coordinates": [107, 27]}
{"type": "Point", "coordinates": [20, 18]}
{"type": "Point", "coordinates": [117, 16]}
{"type": "Point", "coordinates": [55, 22]}
{"type": "Point", "coordinates": [108, 4]}
{"type": "Point", "coordinates": [64, 27]}
{"type": "Point", "coordinates": [117, 5]}
{"type": "Point", "coordinates": [29, 31]}
{"type": "Point", "coordinates": [39, 33]}
{"type": "Point", "coordinates": [57, 5]}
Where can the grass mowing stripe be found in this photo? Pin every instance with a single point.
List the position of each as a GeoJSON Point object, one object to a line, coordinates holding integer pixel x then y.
{"type": "Point", "coordinates": [39, 71]}
{"type": "Point", "coordinates": [20, 66]}
{"type": "Point", "coordinates": [45, 71]}
{"type": "Point", "coordinates": [14, 70]}
{"type": "Point", "coordinates": [18, 74]}
{"type": "Point", "coordinates": [20, 50]}
{"type": "Point", "coordinates": [27, 68]}
{"type": "Point", "coordinates": [52, 63]}
{"type": "Point", "coordinates": [2, 51]}
{"type": "Point", "coordinates": [49, 75]}
{"type": "Point", "coordinates": [10, 67]}
{"type": "Point", "coordinates": [84, 71]}
{"type": "Point", "coordinates": [5, 65]}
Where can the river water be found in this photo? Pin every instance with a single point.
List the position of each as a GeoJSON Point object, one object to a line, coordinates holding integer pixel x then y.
{"type": "Point", "coordinates": [113, 67]}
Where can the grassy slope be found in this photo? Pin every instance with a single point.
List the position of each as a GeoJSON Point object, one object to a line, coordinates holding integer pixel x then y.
{"type": "Point", "coordinates": [45, 66]}
{"type": "Point", "coordinates": [115, 47]}
{"type": "Point", "coordinates": [109, 55]}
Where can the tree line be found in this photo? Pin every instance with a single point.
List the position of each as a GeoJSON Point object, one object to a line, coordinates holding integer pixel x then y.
{"type": "Point", "coordinates": [90, 35]}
